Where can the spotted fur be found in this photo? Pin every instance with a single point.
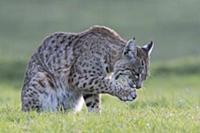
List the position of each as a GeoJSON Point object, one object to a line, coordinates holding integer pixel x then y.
{"type": "Point", "coordinates": [69, 69]}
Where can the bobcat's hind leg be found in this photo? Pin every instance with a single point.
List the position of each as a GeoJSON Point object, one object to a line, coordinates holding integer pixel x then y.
{"type": "Point", "coordinates": [30, 100]}
{"type": "Point", "coordinates": [38, 94]}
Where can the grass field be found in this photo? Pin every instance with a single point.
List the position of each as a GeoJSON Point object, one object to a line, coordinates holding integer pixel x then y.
{"type": "Point", "coordinates": [170, 100]}
{"type": "Point", "coordinates": [167, 104]}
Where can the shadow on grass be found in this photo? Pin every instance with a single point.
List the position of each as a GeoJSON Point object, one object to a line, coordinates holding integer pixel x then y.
{"type": "Point", "coordinates": [163, 102]}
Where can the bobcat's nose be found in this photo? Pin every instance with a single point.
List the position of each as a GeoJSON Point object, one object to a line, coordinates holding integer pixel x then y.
{"type": "Point", "coordinates": [139, 85]}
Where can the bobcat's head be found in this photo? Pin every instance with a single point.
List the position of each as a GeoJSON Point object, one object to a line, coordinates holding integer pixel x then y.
{"type": "Point", "coordinates": [134, 63]}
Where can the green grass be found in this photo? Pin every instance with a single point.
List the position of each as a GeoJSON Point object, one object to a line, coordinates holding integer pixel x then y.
{"type": "Point", "coordinates": [170, 100]}
{"type": "Point", "coordinates": [167, 104]}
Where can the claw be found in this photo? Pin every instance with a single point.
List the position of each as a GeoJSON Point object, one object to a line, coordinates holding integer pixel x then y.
{"type": "Point", "coordinates": [134, 95]}
{"type": "Point", "coordinates": [130, 98]}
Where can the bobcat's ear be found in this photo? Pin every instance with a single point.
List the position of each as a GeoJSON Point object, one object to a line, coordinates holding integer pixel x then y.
{"type": "Point", "coordinates": [130, 49]}
{"type": "Point", "coordinates": [148, 47]}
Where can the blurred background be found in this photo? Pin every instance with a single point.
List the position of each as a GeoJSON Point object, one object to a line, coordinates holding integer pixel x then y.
{"type": "Point", "coordinates": [170, 98]}
{"type": "Point", "coordinates": [174, 26]}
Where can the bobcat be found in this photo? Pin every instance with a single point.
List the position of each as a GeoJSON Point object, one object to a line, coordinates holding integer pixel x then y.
{"type": "Point", "coordinates": [71, 68]}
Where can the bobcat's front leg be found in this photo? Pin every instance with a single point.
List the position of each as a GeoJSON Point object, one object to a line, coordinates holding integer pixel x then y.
{"type": "Point", "coordinates": [93, 102]}
{"type": "Point", "coordinates": [88, 84]}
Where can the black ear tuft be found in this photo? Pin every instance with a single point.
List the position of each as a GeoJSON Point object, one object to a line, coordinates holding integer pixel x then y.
{"type": "Point", "coordinates": [148, 47]}
{"type": "Point", "coordinates": [133, 38]}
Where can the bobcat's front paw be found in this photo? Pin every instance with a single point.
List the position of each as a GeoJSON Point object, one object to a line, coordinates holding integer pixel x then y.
{"type": "Point", "coordinates": [126, 89]}
{"type": "Point", "coordinates": [127, 95]}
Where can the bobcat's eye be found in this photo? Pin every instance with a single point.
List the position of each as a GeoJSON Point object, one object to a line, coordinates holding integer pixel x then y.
{"type": "Point", "coordinates": [143, 63]}
{"type": "Point", "coordinates": [141, 69]}
{"type": "Point", "coordinates": [137, 76]}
